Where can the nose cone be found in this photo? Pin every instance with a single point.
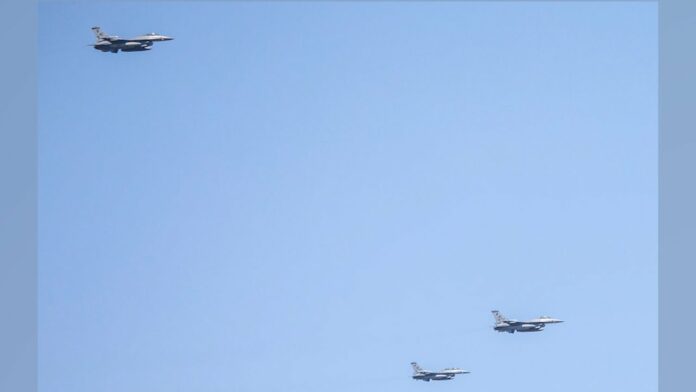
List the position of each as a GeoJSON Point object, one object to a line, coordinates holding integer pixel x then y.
{"type": "Point", "coordinates": [548, 320]}
{"type": "Point", "coordinates": [165, 38]}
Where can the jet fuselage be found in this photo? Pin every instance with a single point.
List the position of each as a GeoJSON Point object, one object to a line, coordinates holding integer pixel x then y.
{"type": "Point", "coordinates": [113, 43]}
{"type": "Point", "coordinates": [427, 375]}
{"type": "Point", "coordinates": [503, 324]}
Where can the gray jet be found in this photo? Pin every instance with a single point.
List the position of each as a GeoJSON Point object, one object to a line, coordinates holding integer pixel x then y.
{"type": "Point", "coordinates": [427, 375]}
{"type": "Point", "coordinates": [112, 43]}
{"type": "Point", "coordinates": [503, 324]}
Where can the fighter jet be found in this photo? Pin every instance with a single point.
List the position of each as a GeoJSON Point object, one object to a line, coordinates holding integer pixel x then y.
{"type": "Point", "coordinates": [427, 375]}
{"type": "Point", "coordinates": [112, 43]}
{"type": "Point", "coordinates": [503, 324]}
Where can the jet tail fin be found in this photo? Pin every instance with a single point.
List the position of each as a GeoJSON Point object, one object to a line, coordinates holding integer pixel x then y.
{"type": "Point", "coordinates": [100, 34]}
{"type": "Point", "coordinates": [499, 318]}
{"type": "Point", "coordinates": [416, 369]}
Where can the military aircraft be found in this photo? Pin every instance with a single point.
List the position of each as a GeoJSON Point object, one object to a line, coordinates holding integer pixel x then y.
{"type": "Point", "coordinates": [427, 375]}
{"type": "Point", "coordinates": [503, 324]}
{"type": "Point", "coordinates": [113, 43]}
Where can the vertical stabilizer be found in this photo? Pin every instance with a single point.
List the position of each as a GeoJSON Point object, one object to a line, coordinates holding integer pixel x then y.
{"type": "Point", "coordinates": [100, 34]}
{"type": "Point", "coordinates": [416, 369]}
{"type": "Point", "coordinates": [499, 318]}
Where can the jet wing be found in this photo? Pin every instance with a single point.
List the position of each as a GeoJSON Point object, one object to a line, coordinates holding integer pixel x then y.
{"type": "Point", "coordinates": [116, 40]}
{"type": "Point", "coordinates": [102, 44]}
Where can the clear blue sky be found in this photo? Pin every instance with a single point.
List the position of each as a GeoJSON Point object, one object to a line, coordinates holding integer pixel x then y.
{"type": "Point", "coordinates": [309, 196]}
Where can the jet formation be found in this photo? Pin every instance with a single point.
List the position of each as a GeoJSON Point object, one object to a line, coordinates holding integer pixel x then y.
{"type": "Point", "coordinates": [503, 324]}
{"type": "Point", "coordinates": [113, 43]}
{"type": "Point", "coordinates": [427, 375]}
